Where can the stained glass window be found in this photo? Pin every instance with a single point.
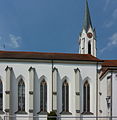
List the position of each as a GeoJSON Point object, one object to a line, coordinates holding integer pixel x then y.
{"type": "Point", "coordinates": [43, 96]}
{"type": "Point", "coordinates": [86, 97]}
{"type": "Point", "coordinates": [65, 96]}
{"type": "Point", "coordinates": [21, 96]}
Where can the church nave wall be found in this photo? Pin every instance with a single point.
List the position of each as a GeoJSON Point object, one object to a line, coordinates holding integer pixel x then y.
{"type": "Point", "coordinates": [54, 76]}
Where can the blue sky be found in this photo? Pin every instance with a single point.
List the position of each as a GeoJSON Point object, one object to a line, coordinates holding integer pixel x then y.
{"type": "Point", "coordinates": [54, 25]}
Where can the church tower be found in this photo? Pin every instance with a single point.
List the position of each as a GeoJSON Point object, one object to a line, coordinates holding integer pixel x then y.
{"type": "Point", "coordinates": [87, 38]}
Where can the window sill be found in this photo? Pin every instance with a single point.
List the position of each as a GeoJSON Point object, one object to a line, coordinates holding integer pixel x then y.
{"type": "Point", "coordinates": [65, 113]}
{"type": "Point", "coordinates": [1, 112]}
{"type": "Point", "coordinates": [87, 113]}
{"type": "Point", "coordinates": [42, 113]}
{"type": "Point", "coordinates": [20, 112]}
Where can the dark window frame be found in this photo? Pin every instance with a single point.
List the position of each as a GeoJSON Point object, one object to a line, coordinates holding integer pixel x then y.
{"type": "Point", "coordinates": [21, 95]}
{"type": "Point", "coordinates": [86, 97]}
{"type": "Point", "coordinates": [65, 96]}
{"type": "Point", "coordinates": [43, 96]}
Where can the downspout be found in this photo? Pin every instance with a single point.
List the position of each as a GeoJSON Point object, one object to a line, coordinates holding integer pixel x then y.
{"type": "Point", "coordinates": [52, 84]}
{"type": "Point", "coordinates": [97, 92]}
{"type": "Point", "coordinates": [111, 95]}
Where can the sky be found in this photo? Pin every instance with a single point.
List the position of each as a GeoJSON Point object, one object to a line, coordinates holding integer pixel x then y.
{"type": "Point", "coordinates": [54, 25]}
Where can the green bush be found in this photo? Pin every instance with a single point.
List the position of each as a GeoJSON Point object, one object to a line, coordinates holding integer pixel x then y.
{"type": "Point", "coordinates": [52, 113]}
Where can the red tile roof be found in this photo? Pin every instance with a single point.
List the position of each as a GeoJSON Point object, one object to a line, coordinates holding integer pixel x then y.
{"type": "Point", "coordinates": [109, 63]}
{"type": "Point", "coordinates": [47, 56]}
{"type": "Point", "coordinates": [106, 69]}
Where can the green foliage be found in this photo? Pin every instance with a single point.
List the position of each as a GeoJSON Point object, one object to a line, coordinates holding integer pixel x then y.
{"type": "Point", "coordinates": [52, 113]}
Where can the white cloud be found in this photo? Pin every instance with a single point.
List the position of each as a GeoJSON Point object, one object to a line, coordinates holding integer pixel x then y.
{"type": "Point", "coordinates": [113, 19]}
{"type": "Point", "coordinates": [1, 43]}
{"type": "Point", "coordinates": [112, 42]}
{"type": "Point", "coordinates": [10, 41]}
{"type": "Point", "coordinates": [113, 39]}
{"type": "Point", "coordinates": [14, 41]}
{"type": "Point", "coordinates": [106, 4]}
{"type": "Point", "coordinates": [109, 24]}
{"type": "Point", "coordinates": [114, 13]}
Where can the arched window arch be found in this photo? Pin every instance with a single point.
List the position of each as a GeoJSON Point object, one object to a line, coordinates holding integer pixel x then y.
{"type": "Point", "coordinates": [89, 47]}
{"type": "Point", "coordinates": [65, 96]}
{"type": "Point", "coordinates": [21, 95]}
{"type": "Point", "coordinates": [86, 98]}
{"type": "Point", "coordinates": [1, 96]}
{"type": "Point", "coordinates": [43, 96]}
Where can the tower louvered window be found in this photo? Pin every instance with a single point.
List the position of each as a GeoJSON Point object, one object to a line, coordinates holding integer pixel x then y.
{"type": "Point", "coordinates": [89, 47]}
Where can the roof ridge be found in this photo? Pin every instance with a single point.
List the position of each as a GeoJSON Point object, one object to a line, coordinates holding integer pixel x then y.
{"type": "Point", "coordinates": [45, 55]}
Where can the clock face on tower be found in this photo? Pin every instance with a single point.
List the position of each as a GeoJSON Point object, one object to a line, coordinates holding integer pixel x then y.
{"type": "Point", "coordinates": [89, 35]}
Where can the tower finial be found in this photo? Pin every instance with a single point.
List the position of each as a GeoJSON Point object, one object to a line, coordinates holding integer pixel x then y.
{"type": "Point", "coordinates": [87, 19]}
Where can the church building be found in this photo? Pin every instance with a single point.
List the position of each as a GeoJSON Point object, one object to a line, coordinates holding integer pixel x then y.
{"type": "Point", "coordinates": [33, 84]}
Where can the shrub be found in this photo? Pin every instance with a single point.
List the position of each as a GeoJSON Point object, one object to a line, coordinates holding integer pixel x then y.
{"type": "Point", "coordinates": [52, 113]}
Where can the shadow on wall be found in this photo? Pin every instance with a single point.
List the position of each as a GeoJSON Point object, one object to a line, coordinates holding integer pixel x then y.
{"type": "Point", "coordinates": [1, 118]}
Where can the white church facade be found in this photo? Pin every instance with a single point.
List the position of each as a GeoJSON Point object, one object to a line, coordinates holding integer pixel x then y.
{"type": "Point", "coordinates": [32, 84]}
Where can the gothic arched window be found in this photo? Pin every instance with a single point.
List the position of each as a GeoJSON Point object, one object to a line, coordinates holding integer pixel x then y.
{"type": "Point", "coordinates": [86, 98]}
{"type": "Point", "coordinates": [43, 96]}
{"type": "Point", "coordinates": [65, 96]}
{"type": "Point", "coordinates": [89, 47]}
{"type": "Point", "coordinates": [1, 96]}
{"type": "Point", "coordinates": [21, 96]}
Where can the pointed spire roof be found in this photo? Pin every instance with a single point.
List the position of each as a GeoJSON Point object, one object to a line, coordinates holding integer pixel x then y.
{"type": "Point", "coordinates": [87, 19]}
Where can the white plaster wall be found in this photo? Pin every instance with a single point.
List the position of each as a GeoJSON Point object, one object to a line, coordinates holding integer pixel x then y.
{"type": "Point", "coordinates": [44, 70]}
{"type": "Point", "coordinates": [114, 95]}
{"type": "Point", "coordinates": [87, 71]}
{"type": "Point", "coordinates": [103, 102]}
{"type": "Point", "coordinates": [83, 45]}
{"type": "Point", "coordinates": [21, 69]}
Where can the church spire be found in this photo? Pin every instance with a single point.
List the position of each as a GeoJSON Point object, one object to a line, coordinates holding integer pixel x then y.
{"type": "Point", "coordinates": [87, 19]}
{"type": "Point", "coordinates": [87, 38]}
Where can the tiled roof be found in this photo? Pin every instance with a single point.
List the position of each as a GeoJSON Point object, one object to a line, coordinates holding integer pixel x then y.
{"type": "Point", "coordinates": [109, 63]}
{"type": "Point", "coordinates": [47, 56]}
{"type": "Point", "coordinates": [106, 69]}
